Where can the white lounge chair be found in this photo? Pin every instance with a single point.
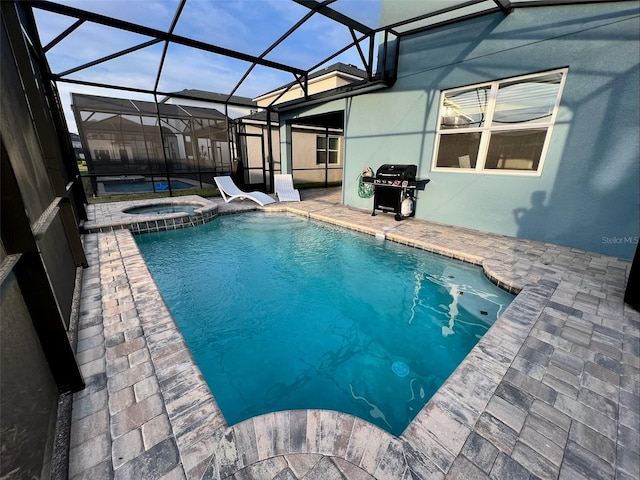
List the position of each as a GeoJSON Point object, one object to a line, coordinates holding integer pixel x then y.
{"type": "Point", "coordinates": [284, 188]}
{"type": "Point", "coordinates": [230, 191]}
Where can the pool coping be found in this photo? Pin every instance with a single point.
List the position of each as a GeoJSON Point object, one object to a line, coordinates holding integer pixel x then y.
{"type": "Point", "coordinates": [431, 444]}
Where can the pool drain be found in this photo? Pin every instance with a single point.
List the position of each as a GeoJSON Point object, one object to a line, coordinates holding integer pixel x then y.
{"type": "Point", "coordinates": [401, 369]}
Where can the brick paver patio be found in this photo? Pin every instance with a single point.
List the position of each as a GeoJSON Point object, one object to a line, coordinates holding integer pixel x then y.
{"type": "Point", "coordinates": [552, 391]}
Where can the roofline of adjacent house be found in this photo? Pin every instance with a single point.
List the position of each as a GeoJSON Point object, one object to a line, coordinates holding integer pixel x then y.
{"type": "Point", "coordinates": [115, 110]}
{"type": "Point", "coordinates": [319, 76]}
{"type": "Point", "coordinates": [255, 117]}
{"type": "Point", "coordinates": [350, 90]}
{"type": "Point", "coordinates": [234, 100]}
{"type": "Point", "coordinates": [275, 125]}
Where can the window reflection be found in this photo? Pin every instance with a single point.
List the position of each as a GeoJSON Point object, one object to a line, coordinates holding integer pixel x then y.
{"type": "Point", "coordinates": [531, 101]}
{"type": "Point", "coordinates": [453, 147]}
{"type": "Point", "coordinates": [518, 150]}
{"type": "Point", "coordinates": [503, 125]}
{"type": "Point", "coordinates": [465, 109]}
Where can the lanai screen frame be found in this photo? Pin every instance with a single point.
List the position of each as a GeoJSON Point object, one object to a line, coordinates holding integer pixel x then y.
{"type": "Point", "coordinates": [145, 135]}
{"type": "Point", "coordinates": [360, 34]}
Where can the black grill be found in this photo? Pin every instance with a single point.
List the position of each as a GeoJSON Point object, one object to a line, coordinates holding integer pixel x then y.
{"type": "Point", "coordinates": [393, 184]}
{"type": "Point", "coordinates": [396, 172]}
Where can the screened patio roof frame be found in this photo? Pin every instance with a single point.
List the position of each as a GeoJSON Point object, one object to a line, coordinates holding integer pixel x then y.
{"type": "Point", "coordinates": [359, 32]}
{"type": "Point", "coordinates": [301, 76]}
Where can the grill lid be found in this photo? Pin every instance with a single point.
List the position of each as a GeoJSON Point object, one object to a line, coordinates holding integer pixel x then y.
{"type": "Point", "coordinates": [395, 171]}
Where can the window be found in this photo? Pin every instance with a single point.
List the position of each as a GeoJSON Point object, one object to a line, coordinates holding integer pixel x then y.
{"type": "Point", "coordinates": [500, 126]}
{"type": "Point", "coordinates": [327, 150]}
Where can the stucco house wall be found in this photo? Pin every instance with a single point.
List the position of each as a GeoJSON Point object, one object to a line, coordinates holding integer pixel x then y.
{"type": "Point", "coordinates": [287, 132]}
{"type": "Point", "coordinates": [590, 178]}
{"type": "Point", "coordinates": [332, 79]}
{"type": "Point", "coordinates": [304, 158]}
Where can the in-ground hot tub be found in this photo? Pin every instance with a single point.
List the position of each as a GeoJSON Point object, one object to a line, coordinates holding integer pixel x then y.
{"type": "Point", "coordinates": [150, 215]}
{"type": "Point", "coordinates": [162, 208]}
{"type": "Point", "coordinates": [142, 216]}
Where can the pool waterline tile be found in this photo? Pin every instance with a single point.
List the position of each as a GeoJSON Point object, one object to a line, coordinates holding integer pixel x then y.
{"type": "Point", "coordinates": [207, 445]}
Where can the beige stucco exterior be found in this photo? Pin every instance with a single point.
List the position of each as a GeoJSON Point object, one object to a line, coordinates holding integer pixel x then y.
{"type": "Point", "coordinates": [304, 153]}
{"type": "Point", "coordinates": [303, 157]}
{"type": "Point", "coordinates": [330, 80]}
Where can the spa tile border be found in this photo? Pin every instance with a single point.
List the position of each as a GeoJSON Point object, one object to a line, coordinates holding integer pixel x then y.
{"type": "Point", "coordinates": [113, 216]}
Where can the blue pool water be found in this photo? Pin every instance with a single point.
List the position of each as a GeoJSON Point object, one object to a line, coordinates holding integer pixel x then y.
{"type": "Point", "coordinates": [284, 313]}
{"type": "Point", "coordinates": [141, 186]}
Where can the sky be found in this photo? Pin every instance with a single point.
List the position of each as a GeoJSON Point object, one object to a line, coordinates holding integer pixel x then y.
{"type": "Point", "coordinates": [248, 26]}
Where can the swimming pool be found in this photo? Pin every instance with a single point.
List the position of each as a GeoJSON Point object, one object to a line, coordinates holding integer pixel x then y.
{"type": "Point", "coordinates": [140, 186]}
{"type": "Point", "coordinates": [285, 313]}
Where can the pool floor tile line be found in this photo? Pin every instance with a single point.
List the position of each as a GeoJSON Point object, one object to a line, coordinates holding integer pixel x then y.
{"type": "Point", "coordinates": [551, 391]}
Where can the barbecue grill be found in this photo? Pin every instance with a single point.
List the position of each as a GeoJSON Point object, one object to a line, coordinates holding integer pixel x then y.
{"type": "Point", "coordinates": [395, 189]}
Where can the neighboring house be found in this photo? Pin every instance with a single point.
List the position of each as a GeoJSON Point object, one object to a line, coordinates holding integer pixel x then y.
{"type": "Point", "coordinates": [526, 123]}
{"type": "Point", "coordinates": [122, 136]}
{"type": "Point", "coordinates": [334, 76]}
{"type": "Point", "coordinates": [253, 148]}
{"type": "Point", "coordinates": [317, 149]}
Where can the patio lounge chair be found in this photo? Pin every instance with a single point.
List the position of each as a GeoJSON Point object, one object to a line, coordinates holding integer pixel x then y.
{"type": "Point", "coordinates": [230, 191]}
{"type": "Point", "coordinates": [284, 188]}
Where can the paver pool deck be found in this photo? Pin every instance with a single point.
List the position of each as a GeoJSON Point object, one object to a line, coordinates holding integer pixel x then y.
{"type": "Point", "coordinates": [552, 391]}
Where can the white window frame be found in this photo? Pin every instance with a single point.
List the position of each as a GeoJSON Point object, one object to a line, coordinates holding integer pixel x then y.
{"type": "Point", "coordinates": [327, 149]}
{"type": "Point", "coordinates": [487, 129]}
